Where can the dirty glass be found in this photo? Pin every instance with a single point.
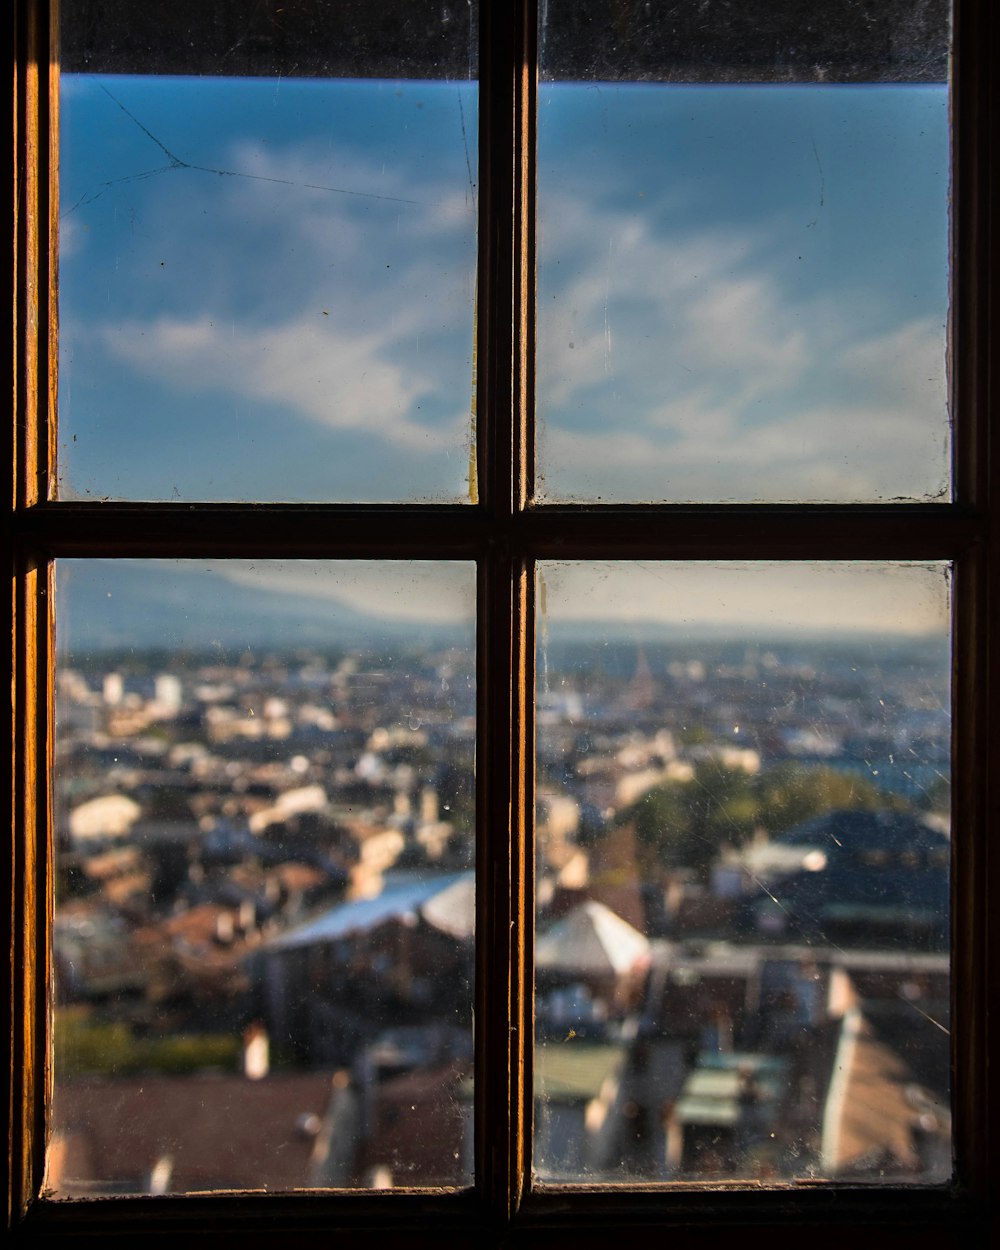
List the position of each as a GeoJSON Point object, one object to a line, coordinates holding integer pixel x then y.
{"type": "Point", "coordinates": [743, 252]}
{"type": "Point", "coordinates": [263, 939]}
{"type": "Point", "coordinates": [267, 252]}
{"type": "Point", "coordinates": [741, 951]}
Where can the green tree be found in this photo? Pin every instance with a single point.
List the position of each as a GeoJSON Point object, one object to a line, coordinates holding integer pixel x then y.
{"type": "Point", "coordinates": [84, 1045]}
{"type": "Point", "coordinates": [789, 793]}
{"type": "Point", "coordinates": [686, 824]}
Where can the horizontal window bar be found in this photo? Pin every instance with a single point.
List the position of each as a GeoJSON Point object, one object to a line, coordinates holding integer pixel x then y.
{"type": "Point", "coordinates": [924, 531]}
{"type": "Point", "coordinates": [560, 1217]}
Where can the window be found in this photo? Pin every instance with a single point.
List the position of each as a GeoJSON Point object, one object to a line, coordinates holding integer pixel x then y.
{"type": "Point", "coordinates": [506, 534]}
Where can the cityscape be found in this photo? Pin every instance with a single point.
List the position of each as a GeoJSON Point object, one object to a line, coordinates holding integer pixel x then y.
{"type": "Point", "coordinates": [264, 935]}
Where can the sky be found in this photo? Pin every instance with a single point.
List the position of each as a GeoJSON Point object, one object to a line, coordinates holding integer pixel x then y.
{"type": "Point", "coordinates": [752, 598]}
{"type": "Point", "coordinates": [296, 327]}
{"type": "Point", "coordinates": [184, 604]}
{"type": "Point", "coordinates": [743, 293]}
{"type": "Point", "coordinates": [267, 292]}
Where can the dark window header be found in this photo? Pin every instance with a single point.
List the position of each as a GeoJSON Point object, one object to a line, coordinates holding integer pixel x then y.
{"type": "Point", "coordinates": [590, 40]}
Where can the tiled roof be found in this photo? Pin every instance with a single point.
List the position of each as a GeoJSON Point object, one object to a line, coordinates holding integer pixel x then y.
{"type": "Point", "coordinates": [434, 895]}
{"type": "Point", "coordinates": [573, 1071]}
{"type": "Point", "coordinates": [592, 939]}
{"type": "Point", "coordinates": [218, 1131]}
{"type": "Point", "coordinates": [420, 1121]}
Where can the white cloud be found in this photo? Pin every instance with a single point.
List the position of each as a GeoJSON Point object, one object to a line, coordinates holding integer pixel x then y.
{"type": "Point", "coordinates": [350, 308]}
{"type": "Point", "coordinates": [675, 361]}
{"type": "Point", "coordinates": [904, 367]}
{"type": "Point", "coordinates": [742, 325]}
{"type": "Point", "coordinates": [415, 590]}
{"type": "Point", "coordinates": [329, 377]}
{"type": "Point", "coordinates": [72, 237]}
{"type": "Point", "coordinates": [328, 196]}
{"type": "Point", "coordinates": [750, 596]}
{"type": "Point", "coordinates": [829, 452]}
{"type": "Point", "coordinates": [648, 307]}
{"type": "Point", "coordinates": [685, 366]}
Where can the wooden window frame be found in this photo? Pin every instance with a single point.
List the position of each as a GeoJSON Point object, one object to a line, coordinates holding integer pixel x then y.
{"type": "Point", "coordinates": [504, 534]}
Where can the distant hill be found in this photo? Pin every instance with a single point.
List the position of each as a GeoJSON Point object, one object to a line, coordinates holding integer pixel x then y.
{"type": "Point", "coordinates": [109, 604]}
{"type": "Point", "coordinates": [106, 605]}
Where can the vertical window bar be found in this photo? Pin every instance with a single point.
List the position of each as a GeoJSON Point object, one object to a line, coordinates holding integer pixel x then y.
{"type": "Point", "coordinates": [974, 32]}
{"type": "Point", "coordinates": [506, 629]}
{"type": "Point", "coordinates": [36, 84]}
{"type": "Point", "coordinates": [976, 678]}
{"type": "Point", "coordinates": [496, 344]}
{"type": "Point", "coordinates": [526, 149]}
{"type": "Point", "coordinates": [32, 210]}
{"type": "Point", "coordinates": [504, 983]}
{"type": "Point", "coordinates": [523, 478]}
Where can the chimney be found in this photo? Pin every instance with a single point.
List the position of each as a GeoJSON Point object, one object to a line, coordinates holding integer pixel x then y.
{"type": "Point", "coordinates": [113, 689]}
{"type": "Point", "coordinates": [429, 806]}
{"type": "Point", "coordinates": [256, 1052]}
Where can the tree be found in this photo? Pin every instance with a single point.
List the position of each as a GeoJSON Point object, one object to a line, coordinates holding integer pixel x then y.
{"type": "Point", "coordinates": [790, 793]}
{"type": "Point", "coordinates": [686, 824]}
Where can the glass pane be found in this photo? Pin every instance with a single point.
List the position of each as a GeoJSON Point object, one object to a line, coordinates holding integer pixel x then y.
{"type": "Point", "coordinates": [264, 922]}
{"type": "Point", "coordinates": [267, 273]}
{"type": "Point", "coordinates": [742, 967]}
{"type": "Point", "coordinates": [743, 253]}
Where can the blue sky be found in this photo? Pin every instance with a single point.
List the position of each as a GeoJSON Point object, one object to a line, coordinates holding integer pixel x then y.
{"type": "Point", "coordinates": [742, 290]}
{"type": "Point", "coordinates": [267, 292]}
{"type": "Point", "coordinates": [298, 327]}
